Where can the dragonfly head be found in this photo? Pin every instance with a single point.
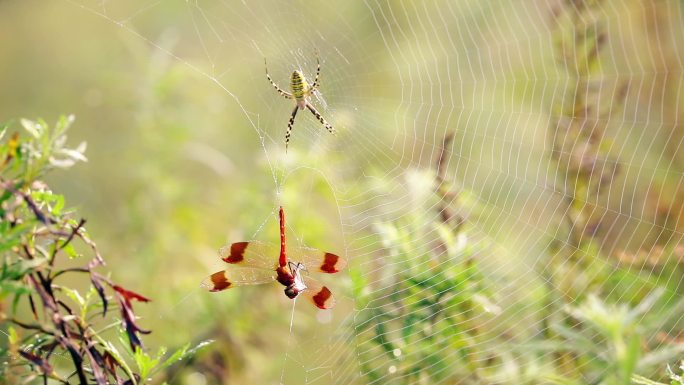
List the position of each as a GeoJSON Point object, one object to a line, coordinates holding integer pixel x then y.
{"type": "Point", "coordinates": [297, 286]}
{"type": "Point", "coordinates": [291, 292]}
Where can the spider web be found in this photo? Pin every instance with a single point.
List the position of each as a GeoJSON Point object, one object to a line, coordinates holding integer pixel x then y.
{"type": "Point", "coordinates": [504, 80]}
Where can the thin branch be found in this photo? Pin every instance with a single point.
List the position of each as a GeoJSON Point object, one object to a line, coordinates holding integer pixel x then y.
{"type": "Point", "coordinates": [74, 231]}
{"type": "Point", "coordinates": [70, 270]}
{"type": "Point", "coordinates": [31, 326]}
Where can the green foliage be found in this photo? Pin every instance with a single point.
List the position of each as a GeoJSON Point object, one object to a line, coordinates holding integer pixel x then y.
{"type": "Point", "coordinates": [429, 307]}
{"type": "Point", "coordinates": [178, 169]}
{"type": "Point", "coordinates": [427, 317]}
{"type": "Point", "coordinates": [435, 313]}
{"type": "Point", "coordinates": [675, 379]}
{"type": "Point", "coordinates": [50, 317]}
{"type": "Point", "coordinates": [612, 338]}
{"type": "Point", "coordinates": [148, 365]}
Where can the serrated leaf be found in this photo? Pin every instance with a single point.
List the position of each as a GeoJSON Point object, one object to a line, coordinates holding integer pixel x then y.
{"type": "Point", "coordinates": [145, 363]}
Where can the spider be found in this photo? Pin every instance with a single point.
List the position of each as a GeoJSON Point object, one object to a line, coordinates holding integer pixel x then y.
{"type": "Point", "coordinates": [301, 91]}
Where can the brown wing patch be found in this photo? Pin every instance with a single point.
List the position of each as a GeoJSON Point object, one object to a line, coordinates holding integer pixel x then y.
{"type": "Point", "coordinates": [331, 263]}
{"type": "Point", "coordinates": [319, 260]}
{"type": "Point", "coordinates": [217, 282]}
{"type": "Point", "coordinates": [235, 253]}
{"type": "Point", "coordinates": [323, 298]}
{"type": "Point", "coordinates": [251, 254]}
{"type": "Point", "coordinates": [238, 276]}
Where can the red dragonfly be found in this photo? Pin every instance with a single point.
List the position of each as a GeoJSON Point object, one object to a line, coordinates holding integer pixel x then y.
{"type": "Point", "coordinates": [255, 267]}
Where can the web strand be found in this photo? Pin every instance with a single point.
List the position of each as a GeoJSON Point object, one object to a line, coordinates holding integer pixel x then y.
{"type": "Point", "coordinates": [398, 78]}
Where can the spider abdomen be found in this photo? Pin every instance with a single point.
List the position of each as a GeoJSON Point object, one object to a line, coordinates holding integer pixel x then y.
{"type": "Point", "coordinates": [299, 86]}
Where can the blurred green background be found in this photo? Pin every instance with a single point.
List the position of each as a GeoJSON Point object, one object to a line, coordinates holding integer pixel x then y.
{"type": "Point", "coordinates": [186, 153]}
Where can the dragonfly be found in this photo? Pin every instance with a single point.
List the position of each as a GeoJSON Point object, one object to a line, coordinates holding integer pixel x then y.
{"type": "Point", "coordinates": [254, 265]}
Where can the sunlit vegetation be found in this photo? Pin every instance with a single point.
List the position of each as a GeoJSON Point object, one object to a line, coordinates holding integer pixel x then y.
{"type": "Point", "coordinates": [65, 320]}
{"type": "Point", "coordinates": [504, 182]}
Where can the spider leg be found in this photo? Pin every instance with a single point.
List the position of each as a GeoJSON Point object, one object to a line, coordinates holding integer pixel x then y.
{"type": "Point", "coordinates": [320, 118]}
{"type": "Point", "coordinates": [318, 72]}
{"type": "Point", "coordinates": [289, 127]}
{"type": "Point", "coordinates": [287, 95]}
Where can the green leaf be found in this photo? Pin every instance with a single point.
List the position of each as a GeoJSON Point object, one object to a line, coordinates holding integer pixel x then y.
{"type": "Point", "coordinates": [148, 365]}
{"type": "Point", "coordinates": [16, 288]}
{"type": "Point", "coordinates": [13, 337]}
{"type": "Point", "coordinates": [176, 356]}
{"type": "Point", "coordinates": [145, 363]}
{"type": "Point", "coordinates": [5, 195]}
{"type": "Point", "coordinates": [70, 251]}
{"type": "Point", "coordinates": [13, 236]}
{"type": "Point", "coordinates": [58, 204]}
{"type": "Point", "coordinates": [199, 346]}
{"type": "Point", "coordinates": [17, 270]}
{"type": "Point", "coordinates": [74, 295]}
{"type": "Point", "coordinates": [632, 357]}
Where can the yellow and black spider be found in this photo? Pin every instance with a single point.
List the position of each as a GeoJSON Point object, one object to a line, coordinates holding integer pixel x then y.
{"type": "Point", "coordinates": [301, 91]}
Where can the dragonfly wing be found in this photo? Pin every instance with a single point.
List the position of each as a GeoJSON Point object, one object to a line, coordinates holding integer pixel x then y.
{"type": "Point", "coordinates": [316, 260]}
{"type": "Point", "coordinates": [318, 294]}
{"type": "Point", "coordinates": [251, 254]}
{"type": "Point", "coordinates": [227, 279]}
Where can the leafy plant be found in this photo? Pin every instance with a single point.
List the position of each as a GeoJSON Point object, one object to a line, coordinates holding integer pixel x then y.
{"type": "Point", "coordinates": [52, 316]}
{"type": "Point", "coordinates": [424, 322]}
{"type": "Point", "coordinates": [434, 315]}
